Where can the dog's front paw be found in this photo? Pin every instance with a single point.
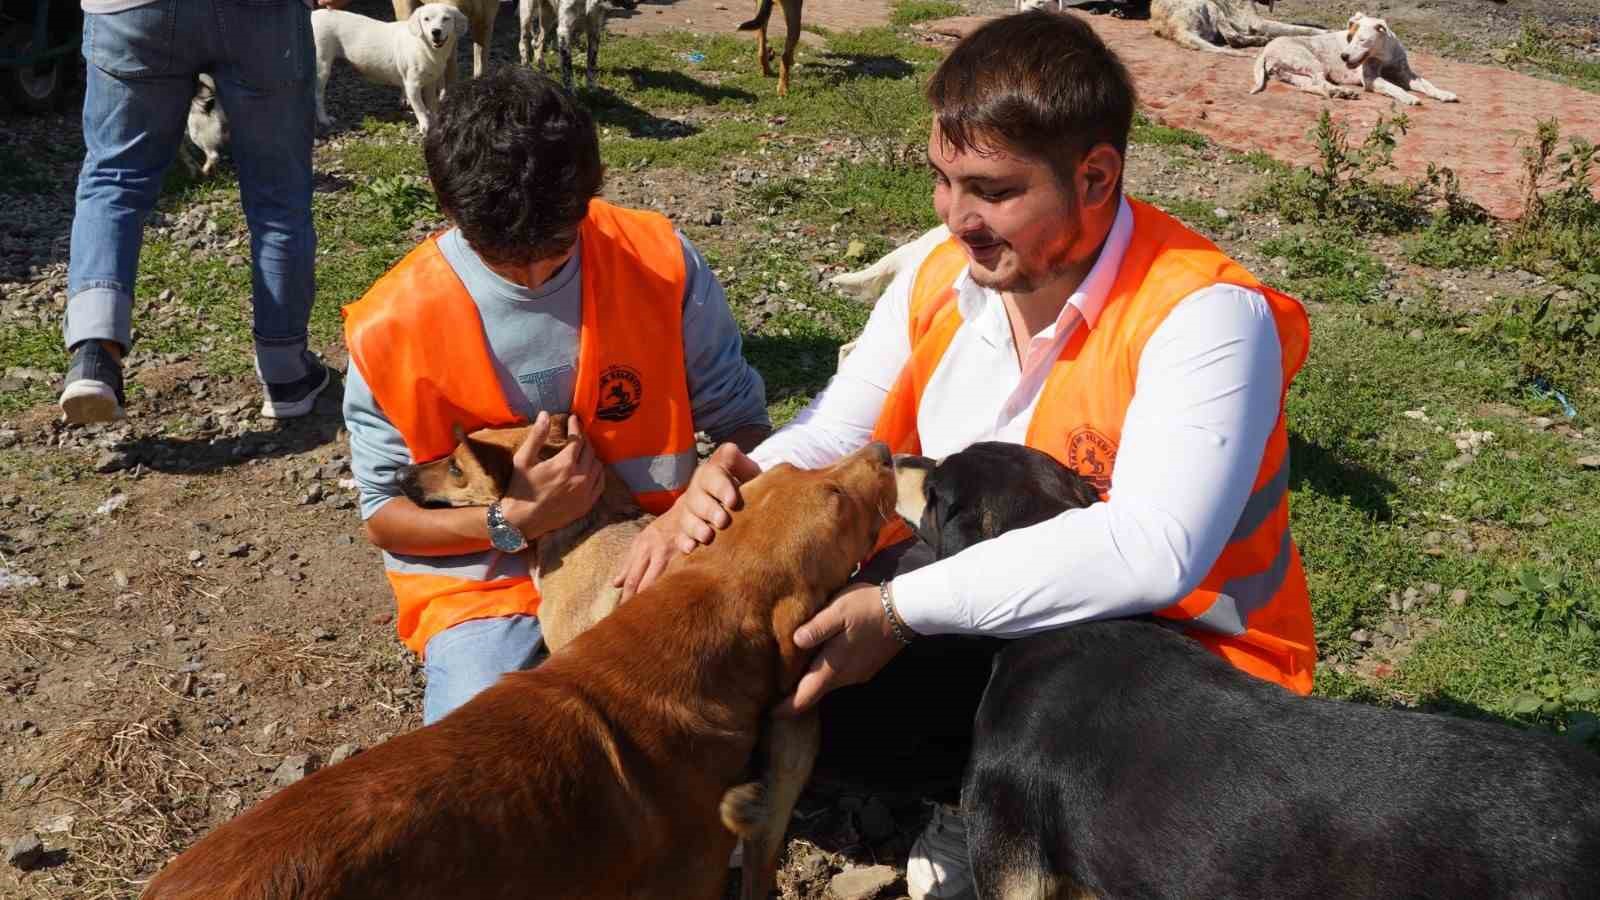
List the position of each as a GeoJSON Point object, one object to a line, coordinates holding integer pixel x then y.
{"type": "Point", "coordinates": [1447, 97]}
{"type": "Point", "coordinates": [744, 808]}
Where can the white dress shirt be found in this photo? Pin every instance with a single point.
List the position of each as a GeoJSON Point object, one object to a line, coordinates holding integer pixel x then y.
{"type": "Point", "coordinates": [1205, 401]}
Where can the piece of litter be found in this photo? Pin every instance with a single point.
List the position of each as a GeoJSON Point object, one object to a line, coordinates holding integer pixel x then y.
{"type": "Point", "coordinates": [16, 581]}
{"type": "Point", "coordinates": [1542, 387]}
{"type": "Point", "coordinates": [694, 56]}
{"type": "Point", "coordinates": [116, 502]}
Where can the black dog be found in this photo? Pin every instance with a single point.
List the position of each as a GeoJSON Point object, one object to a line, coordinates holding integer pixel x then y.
{"type": "Point", "coordinates": [1121, 759]}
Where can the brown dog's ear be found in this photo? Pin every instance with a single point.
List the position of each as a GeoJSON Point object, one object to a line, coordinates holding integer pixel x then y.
{"type": "Point", "coordinates": [787, 616]}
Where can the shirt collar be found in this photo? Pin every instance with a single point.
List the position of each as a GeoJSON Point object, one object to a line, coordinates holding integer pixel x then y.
{"type": "Point", "coordinates": [1090, 297]}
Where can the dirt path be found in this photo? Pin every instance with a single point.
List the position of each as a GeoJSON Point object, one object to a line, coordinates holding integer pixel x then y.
{"type": "Point", "coordinates": [723, 16]}
{"type": "Point", "coordinates": [1480, 137]}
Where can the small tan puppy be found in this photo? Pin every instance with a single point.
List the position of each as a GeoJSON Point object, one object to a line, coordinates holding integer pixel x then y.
{"type": "Point", "coordinates": [573, 565]}
{"type": "Point", "coordinates": [480, 24]}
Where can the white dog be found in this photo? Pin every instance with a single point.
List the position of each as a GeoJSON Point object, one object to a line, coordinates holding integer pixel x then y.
{"type": "Point", "coordinates": [412, 54]}
{"type": "Point", "coordinates": [559, 21]}
{"type": "Point", "coordinates": [207, 126]}
{"type": "Point", "coordinates": [1218, 26]}
{"type": "Point", "coordinates": [1366, 55]}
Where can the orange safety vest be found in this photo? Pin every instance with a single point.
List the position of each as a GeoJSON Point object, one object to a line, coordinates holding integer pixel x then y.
{"type": "Point", "coordinates": [418, 341]}
{"type": "Point", "coordinates": [1252, 608]}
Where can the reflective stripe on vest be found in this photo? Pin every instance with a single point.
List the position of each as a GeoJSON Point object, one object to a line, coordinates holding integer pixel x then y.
{"type": "Point", "coordinates": [1252, 607]}
{"type": "Point", "coordinates": [418, 341]}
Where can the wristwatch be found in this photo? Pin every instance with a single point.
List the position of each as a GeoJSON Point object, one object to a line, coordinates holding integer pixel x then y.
{"type": "Point", "coordinates": [504, 536]}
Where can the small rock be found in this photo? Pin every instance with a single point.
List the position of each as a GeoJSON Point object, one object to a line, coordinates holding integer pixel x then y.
{"type": "Point", "coordinates": [240, 549]}
{"type": "Point", "coordinates": [269, 731]}
{"type": "Point", "coordinates": [292, 769]}
{"type": "Point", "coordinates": [1418, 414]}
{"type": "Point", "coordinates": [61, 824]}
{"type": "Point", "coordinates": [120, 579]}
{"type": "Point", "coordinates": [112, 461]}
{"type": "Point", "coordinates": [1361, 636]}
{"type": "Point", "coordinates": [1541, 422]}
{"type": "Point", "coordinates": [69, 582]}
{"type": "Point", "coordinates": [1414, 334]}
{"type": "Point", "coordinates": [854, 250]}
{"type": "Point", "coordinates": [1588, 462]}
{"type": "Point", "coordinates": [25, 853]}
{"type": "Point", "coordinates": [322, 634]}
{"type": "Point", "coordinates": [1432, 589]}
{"type": "Point", "coordinates": [861, 883]}
{"type": "Point", "coordinates": [342, 753]}
{"type": "Point", "coordinates": [195, 556]}
{"type": "Point", "coordinates": [1537, 520]}
{"type": "Point", "coordinates": [312, 495]}
{"type": "Point", "coordinates": [27, 781]}
{"type": "Point", "coordinates": [1458, 597]}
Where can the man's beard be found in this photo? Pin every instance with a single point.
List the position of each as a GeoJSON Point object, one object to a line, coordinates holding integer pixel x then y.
{"type": "Point", "coordinates": [1028, 280]}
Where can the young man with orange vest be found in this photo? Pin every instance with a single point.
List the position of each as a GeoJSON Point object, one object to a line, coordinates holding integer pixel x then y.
{"type": "Point", "coordinates": [541, 298]}
{"type": "Point", "coordinates": [1086, 324]}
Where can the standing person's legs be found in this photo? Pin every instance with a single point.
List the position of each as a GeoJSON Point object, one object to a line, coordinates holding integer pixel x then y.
{"type": "Point", "coordinates": [466, 658]}
{"type": "Point", "coordinates": [266, 83]}
{"type": "Point", "coordinates": [140, 80]}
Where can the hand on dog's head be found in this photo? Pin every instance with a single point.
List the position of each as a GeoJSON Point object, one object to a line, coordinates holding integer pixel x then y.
{"type": "Point", "coordinates": [983, 491]}
{"type": "Point", "coordinates": [477, 471]}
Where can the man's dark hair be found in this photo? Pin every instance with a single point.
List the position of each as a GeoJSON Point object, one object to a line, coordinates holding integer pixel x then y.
{"type": "Point", "coordinates": [1040, 84]}
{"type": "Point", "coordinates": [514, 160]}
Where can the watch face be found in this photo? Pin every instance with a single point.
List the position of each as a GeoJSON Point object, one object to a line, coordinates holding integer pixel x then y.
{"type": "Point", "coordinates": [506, 538]}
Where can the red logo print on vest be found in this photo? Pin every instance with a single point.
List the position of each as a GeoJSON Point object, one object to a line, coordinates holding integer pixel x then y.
{"type": "Point", "coordinates": [1090, 454]}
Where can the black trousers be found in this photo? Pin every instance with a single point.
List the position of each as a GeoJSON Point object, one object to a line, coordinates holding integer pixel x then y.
{"type": "Point", "coordinates": [910, 727]}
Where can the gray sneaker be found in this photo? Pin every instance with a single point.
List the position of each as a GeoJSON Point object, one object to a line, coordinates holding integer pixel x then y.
{"type": "Point", "coordinates": [297, 398]}
{"type": "Point", "coordinates": [92, 390]}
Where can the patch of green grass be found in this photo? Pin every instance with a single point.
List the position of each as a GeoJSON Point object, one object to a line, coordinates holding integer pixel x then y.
{"type": "Point", "coordinates": [1442, 245]}
{"type": "Point", "coordinates": [869, 196]}
{"type": "Point", "coordinates": [1326, 268]}
{"type": "Point", "coordinates": [20, 175]}
{"type": "Point", "coordinates": [1538, 47]}
{"type": "Point", "coordinates": [909, 12]}
{"type": "Point", "coordinates": [1147, 132]}
{"type": "Point", "coordinates": [33, 347]}
{"type": "Point", "coordinates": [1199, 214]}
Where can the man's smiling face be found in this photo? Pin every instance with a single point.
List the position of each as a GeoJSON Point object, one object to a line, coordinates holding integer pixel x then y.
{"type": "Point", "coordinates": [1014, 218]}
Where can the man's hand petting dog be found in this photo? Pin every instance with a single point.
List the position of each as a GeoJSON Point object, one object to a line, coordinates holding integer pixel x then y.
{"type": "Point", "coordinates": [543, 496]}
{"type": "Point", "coordinates": [693, 520]}
{"type": "Point", "coordinates": [856, 642]}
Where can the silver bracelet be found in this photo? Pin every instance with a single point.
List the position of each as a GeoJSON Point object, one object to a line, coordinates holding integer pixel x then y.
{"type": "Point", "coordinates": [895, 627]}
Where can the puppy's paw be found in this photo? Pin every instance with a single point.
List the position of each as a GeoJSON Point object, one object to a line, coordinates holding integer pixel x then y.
{"type": "Point", "coordinates": [744, 808]}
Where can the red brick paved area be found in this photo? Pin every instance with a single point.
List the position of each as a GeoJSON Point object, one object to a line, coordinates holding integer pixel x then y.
{"type": "Point", "coordinates": [1479, 137]}
{"type": "Point", "coordinates": [714, 16]}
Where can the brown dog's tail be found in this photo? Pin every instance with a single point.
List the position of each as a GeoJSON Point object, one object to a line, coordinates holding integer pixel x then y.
{"type": "Point", "coordinates": [760, 21]}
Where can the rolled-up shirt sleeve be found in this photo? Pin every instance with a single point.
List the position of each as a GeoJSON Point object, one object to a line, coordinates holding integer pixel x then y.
{"type": "Point", "coordinates": [1207, 395]}
{"type": "Point", "coordinates": [377, 450]}
{"type": "Point", "coordinates": [726, 393]}
{"type": "Point", "coordinates": [840, 419]}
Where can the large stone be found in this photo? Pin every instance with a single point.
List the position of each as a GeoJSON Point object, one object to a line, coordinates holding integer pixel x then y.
{"type": "Point", "coordinates": [862, 883]}
{"type": "Point", "coordinates": [292, 769]}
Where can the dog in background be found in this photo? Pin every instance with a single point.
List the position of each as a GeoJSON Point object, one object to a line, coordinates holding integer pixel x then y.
{"type": "Point", "coordinates": [480, 24]}
{"type": "Point", "coordinates": [1122, 759]}
{"type": "Point", "coordinates": [791, 38]}
{"type": "Point", "coordinates": [207, 126]}
{"type": "Point", "coordinates": [1218, 26]}
{"type": "Point", "coordinates": [411, 54]}
{"type": "Point", "coordinates": [617, 769]}
{"type": "Point", "coordinates": [559, 23]}
{"type": "Point", "coordinates": [1366, 55]}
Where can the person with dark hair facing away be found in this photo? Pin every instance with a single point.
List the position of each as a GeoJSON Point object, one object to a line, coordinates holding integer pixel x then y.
{"type": "Point", "coordinates": [1067, 316]}
{"type": "Point", "coordinates": [540, 298]}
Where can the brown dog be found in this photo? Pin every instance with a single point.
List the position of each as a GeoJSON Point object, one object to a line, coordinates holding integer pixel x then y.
{"type": "Point", "coordinates": [791, 21]}
{"type": "Point", "coordinates": [613, 770]}
{"type": "Point", "coordinates": [575, 563]}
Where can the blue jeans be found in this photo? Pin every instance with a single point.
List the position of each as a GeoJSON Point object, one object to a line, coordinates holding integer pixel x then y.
{"type": "Point", "coordinates": [464, 659]}
{"type": "Point", "coordinates": [141, 77]}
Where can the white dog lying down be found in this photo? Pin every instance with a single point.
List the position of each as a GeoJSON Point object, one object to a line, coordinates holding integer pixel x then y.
{"type": "Point", "coordinates": [1366, 55]}
{"type": "Point", "coordinates": [1218, 26]}
{"type": "Point", "coordinates": [412, 54]}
